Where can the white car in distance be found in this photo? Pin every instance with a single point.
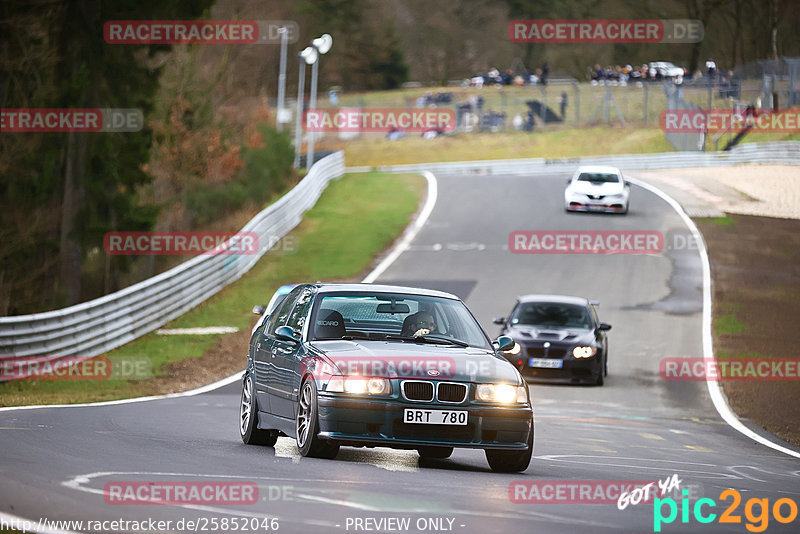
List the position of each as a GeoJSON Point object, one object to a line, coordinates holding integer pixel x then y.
{"type": "Point", "coordinates": [665, 69]}
{"type": "Point", "coordinates": [597, 188]}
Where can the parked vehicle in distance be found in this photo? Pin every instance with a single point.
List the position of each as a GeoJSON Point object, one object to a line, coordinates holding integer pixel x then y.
{"type": "Point", "coordinates": [665, 69]}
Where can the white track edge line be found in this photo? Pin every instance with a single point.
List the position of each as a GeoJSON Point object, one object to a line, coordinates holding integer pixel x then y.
{"type": "Point", "coordinates": [202, 389]}
{"type": "Point", "coordinates": [714, 388]}
{"type": "Point", "coordinates": [412, 230]}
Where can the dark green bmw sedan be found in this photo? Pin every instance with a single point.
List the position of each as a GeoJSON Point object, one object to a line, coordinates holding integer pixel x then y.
{"type": "Point", "coordinates": [367, 365]}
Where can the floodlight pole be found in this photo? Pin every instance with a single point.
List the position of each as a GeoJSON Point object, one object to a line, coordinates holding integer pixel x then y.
{"type": "Point", "coordinates": [298, 123]}
{"type": "Point", "coordinates": [282, 77]}
{"type": "Point", "coordinates": [312, 104]}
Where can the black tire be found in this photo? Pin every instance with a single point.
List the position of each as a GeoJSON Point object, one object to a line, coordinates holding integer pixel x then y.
{"type": "Point", "coordinates": [601, 373]}
{"type": "Point", "coordinates": [438, 453]}
{"type": "Point", "coordinates": [307, 425]}
{"type": "Point", "coordinates": [248, 418]}
{"type": "Point", "coordinates": [605, 364]}
{"type": "Point", "coordinates": [510, 461]}
{"type": "Point", "coordinates": [600, 380]}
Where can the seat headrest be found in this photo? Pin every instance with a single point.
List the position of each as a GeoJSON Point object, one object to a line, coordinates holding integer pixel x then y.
{"type": "Point", "coordinates": [329, 325]}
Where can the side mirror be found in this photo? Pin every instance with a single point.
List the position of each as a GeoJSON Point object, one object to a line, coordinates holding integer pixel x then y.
{"type": "Point", "coordinates": [258, 309]}
{"type": "Point", "coordinates": [604, 326]}
{"type": "Point", "coordinates": [285, 333]}
{"type": "Point", "coordinates": [503, 343]}
{"type": "Point", "coordinates": [569, 181]}
{"type": "Point", "coordinates": [499, 320]}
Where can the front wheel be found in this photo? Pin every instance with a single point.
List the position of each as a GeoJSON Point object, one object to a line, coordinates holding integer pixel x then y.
{"type": "Point", "coordinates": [600, 380]}
{"type": "Point", "coordinates": [248, 418]}
{"type": "Point", "coordinates": [307, 425]}
{"type": "Point", "coordinates": [510, 461]}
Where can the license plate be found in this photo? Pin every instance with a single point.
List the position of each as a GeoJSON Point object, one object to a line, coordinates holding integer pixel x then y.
{"type": "Point", "coordinates": [434, 417]}
{"type": "Point", "coordinates": [546, 363]}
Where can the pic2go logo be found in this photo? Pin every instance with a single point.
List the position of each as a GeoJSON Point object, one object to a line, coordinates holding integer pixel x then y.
{"type": "Point", "coordinates": [757, 522]}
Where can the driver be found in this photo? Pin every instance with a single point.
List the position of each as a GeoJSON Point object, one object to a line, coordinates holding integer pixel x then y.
{"type": "Point", "coordinates": [419, 324]}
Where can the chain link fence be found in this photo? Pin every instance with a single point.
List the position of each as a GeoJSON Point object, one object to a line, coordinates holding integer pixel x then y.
{"type": "Point", "coordinates": [564, 102]}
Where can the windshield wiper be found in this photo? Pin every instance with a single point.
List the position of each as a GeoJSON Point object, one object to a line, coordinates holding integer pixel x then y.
{"type": "Point", "coordinates": [429, 338]}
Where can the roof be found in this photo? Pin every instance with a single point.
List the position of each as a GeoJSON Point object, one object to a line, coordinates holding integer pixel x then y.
{"type": "Point", "coordinates": [380, 288]}
{"type": "Point", "coordinates": [559, 299]}
{"type": "Point", "coordinates": [608, 169]}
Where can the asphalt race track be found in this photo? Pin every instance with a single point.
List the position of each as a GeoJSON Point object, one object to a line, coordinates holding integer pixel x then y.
{"type": "Point", "coordinates": [55, 462]}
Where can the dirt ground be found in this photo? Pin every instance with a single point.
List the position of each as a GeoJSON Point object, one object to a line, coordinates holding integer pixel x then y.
{"type": "Point", "coordinates": [755, 264]}
{"type": "Point", "coordinates": [770, 190]}
{"type": "Point", "coordinates": [228, 356]}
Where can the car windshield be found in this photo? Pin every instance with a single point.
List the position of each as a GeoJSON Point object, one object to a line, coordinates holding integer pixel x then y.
{"type": "Point", "coordinates": [549, 314]}
{"type": "Point", "coordinates": [396, 317]}
{"type": "Point", "coordinates": [598, 177]}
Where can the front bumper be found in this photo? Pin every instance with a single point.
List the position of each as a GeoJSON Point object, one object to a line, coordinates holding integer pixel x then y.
{"type": "Point", "coordinates": [611, 207]}
{"type": "Point", "coordinates": [572, 370]}
{"type": "Point", "coordinates": [379, 422]}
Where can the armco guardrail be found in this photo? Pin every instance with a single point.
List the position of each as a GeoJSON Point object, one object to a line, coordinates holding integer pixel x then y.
{"type": "Point", "coordinates": [99, 325]}
{"type": "Point", "coordinates": [778, 152]}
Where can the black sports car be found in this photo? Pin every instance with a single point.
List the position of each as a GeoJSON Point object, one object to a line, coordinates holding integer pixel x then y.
{"type": "Point", "coordinates": [557, 337]}
{"type": "Point", "coordinates": [383, 366]}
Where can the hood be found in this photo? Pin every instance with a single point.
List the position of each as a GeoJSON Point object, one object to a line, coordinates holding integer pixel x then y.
{"type": "Point", "coordinates": [521, 333]}
{"type": "Point", "coordinates": [597, 188]}
{"type": "Point", "coordinates": [416, 361]}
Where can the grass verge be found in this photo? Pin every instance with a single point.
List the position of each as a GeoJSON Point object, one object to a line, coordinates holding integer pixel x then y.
{"type": "Point", "coordinates": [563, 143]}
{"type": "Point", "coordinates": [357, 217]}
{"type": "Point", "coordinates": [754, 263]}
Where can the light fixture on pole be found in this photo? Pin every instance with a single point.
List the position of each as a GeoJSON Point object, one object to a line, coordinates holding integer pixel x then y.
{"type": "Point", "coordinates": [281, 113]}
{"type": "Point", "coordinates": [307, 56]}
{"type": "Point", "coordinates": [321, 45]}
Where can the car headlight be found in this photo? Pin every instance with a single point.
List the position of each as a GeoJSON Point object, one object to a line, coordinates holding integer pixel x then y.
{"type": "Point", "coordinates": [502, 393]}
{"type": "Point", "coordinates": [584, 352]}
{"type": "Point", "coordinates": [513, 350]}
{"type": "Point", "coordinates": [359, 385]}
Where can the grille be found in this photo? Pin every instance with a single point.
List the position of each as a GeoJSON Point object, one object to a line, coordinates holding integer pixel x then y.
{"type": "Point", "coordinates": [541, 352]}
{"type": "Point", "coordinates": [450, 392]}
{"type": "Point", "coordinates": [415, 390]}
